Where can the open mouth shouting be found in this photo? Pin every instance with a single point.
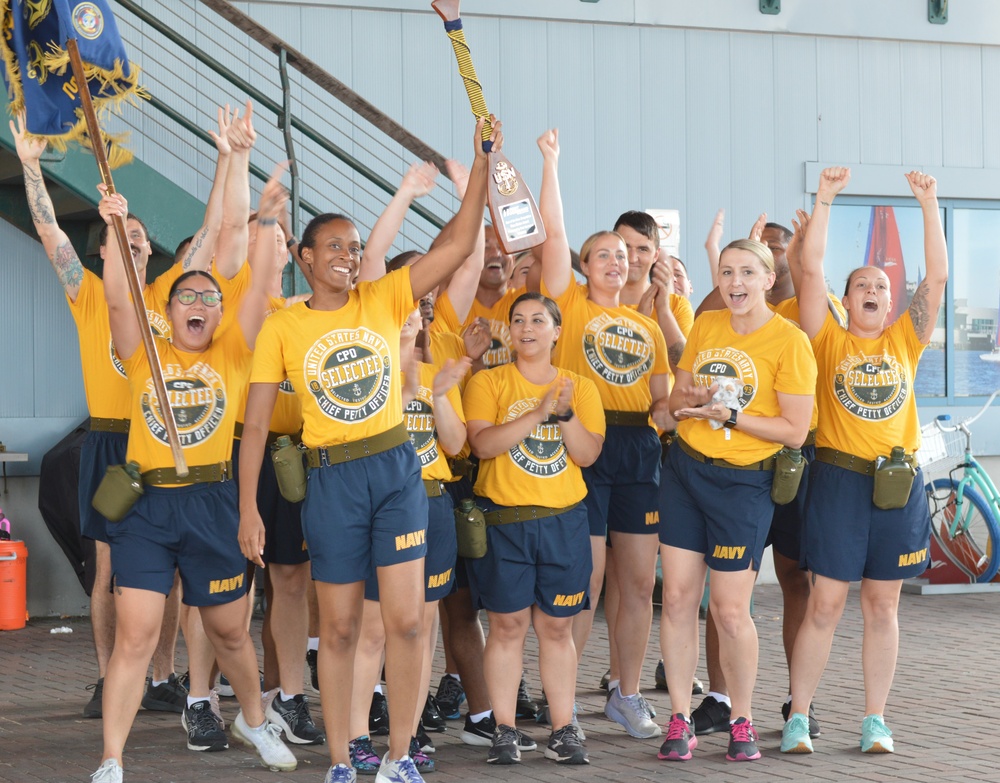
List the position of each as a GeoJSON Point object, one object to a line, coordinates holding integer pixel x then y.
{"type": "Point", "coordinates": [196, 325]}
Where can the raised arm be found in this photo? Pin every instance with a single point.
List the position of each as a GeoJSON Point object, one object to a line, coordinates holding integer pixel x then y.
{"type": "Point", "coordinates": [793, 253]}
{"type": "Point", "coordinates": [58, 248]}
{"type": "Point", "coordinates": [557, 269]}
{"type": "Point", "coordinates": [231, 249]}
{"type": "Point", "coordinates": [125, 329]}
{"type": "Point", "coordinates": [662, 281]}
{"type": "Point", "coordinates": [713, 245]}
{"type": "Point", "coordinates": [202, 249]}
{"type": "Point", "coordinates": [813, 301]}
{"type": "Point", "coordinates": [465, 281]}
{"type": "Point", "coordinates": [442, 261]}
{"type": "Point", "coordinates": [927, 298]}
{"type": "Point", "coordinates": [417, 182]}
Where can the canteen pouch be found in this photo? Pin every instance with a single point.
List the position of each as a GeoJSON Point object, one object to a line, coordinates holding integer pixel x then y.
{"type": "Point", "coordinates": [289, 469]}
{"type": "Point", "coordinates": [470, 528]}
{"type": "Point", "coordinates": [893, 480]}
{"type": "Point", "coordinates": [118, 491]}
{"type": "Point", "coordinates": [789, 464]}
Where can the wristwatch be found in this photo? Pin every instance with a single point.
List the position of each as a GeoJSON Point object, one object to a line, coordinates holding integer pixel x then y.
{"type": "Point", "coordinates": [730, 423]}
{"type": "Point", "coordinates": [291, 242]}
{"type": "Point", "coordinates": [566, 416]}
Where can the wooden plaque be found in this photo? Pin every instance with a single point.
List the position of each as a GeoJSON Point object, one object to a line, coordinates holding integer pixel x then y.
{"type": "Point", "coordinates": [515, 215]}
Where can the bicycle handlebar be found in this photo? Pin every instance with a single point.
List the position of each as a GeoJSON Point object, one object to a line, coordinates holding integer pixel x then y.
{"type": "Point", "coordinates": [964, 424]}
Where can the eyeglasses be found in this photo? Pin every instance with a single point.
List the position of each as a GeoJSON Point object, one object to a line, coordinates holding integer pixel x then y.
{"type": "Point", "coordinates": [187, 296]}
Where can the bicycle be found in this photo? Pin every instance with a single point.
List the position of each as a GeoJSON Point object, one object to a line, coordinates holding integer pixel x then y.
{"type": "Point", "coordinates": [964, 508]}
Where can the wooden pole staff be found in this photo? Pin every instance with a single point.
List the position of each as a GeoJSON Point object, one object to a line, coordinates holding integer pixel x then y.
{"type": "Point", "coordinates": [100, 154]}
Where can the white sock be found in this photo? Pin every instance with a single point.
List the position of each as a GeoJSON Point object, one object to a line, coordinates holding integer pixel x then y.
{"type": "Point", "coordinates": [455, 676]}
{"type": "Point", "coordinates": [158, 683]}
{"type": "Point", "coordinates": [284, 696]}
{"type": "Point", "coordinates": [192, 700]}
{"type": "Point", "coordinates": [480, 715]}
{"type": "Point", "coordinates": [378, 689]}
{"type": "Point", "coordinates": [789, 699]}
{"type": "Point", "coordinates": [721, 698]}
{"type": "Point", "coordinates": [612, 684]}
{"type": "Point", "coordinates": [313, 643]}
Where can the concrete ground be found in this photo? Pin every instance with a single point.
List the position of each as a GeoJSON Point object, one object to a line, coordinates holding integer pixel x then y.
{"type": "Point", "coordinates": [946, 683]}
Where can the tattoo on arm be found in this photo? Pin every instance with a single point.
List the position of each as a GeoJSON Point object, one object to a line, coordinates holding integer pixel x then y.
{"type": "Point", "coordinates": [196, 243]}
{"type": "Point", "coordinates": [67, 265]}
{"type": "Point", "coordinates": [920, 311]}
{"type": "Point", "coordinates": [39, 202]}
{"type": "Point", "coordinates": [675, 351]}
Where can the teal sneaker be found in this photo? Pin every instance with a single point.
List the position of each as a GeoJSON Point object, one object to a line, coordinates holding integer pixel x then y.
{"type": "Point", "coordinates": [795, 735]}
{"type": "Point", "coordinates": [875, 735]}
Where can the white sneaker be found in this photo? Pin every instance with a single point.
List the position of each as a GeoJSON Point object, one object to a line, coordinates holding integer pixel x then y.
{"type": "Point", "coordinates": [109, 772]}
{"type": "Point", "coordinates": [632, 713]}
{"type": "Point", "coordinates": [341, 773]}
{"type": "Point", "coordinates": [401, 771]}
{"type": "Point", "coordinates": [266, 740]}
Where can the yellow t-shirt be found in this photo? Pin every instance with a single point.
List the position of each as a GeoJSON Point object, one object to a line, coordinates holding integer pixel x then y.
{"type": "Point", "coordinates": [865, 396]}
{"type": "Point", "coordinates": [104, 382]}
{"type": "Point", "coordinates": [752, 369]}
{"type": "Point", "coordinates": [422, 427]}
{"type": "Point", "coordinates": [615, 347]}
{"type": "Point", "coordinates": [537, 471]}
{"type": "Point", "coordinates": [446, 345]}
{"type": "Point", "coordinates": [203, 390]}
{"type": "Point", "coordinates": [683, 313]}
{"type": "Point", "coordinates": [343, 363]}
{"type": "Point", "coordinates": [445, 319]}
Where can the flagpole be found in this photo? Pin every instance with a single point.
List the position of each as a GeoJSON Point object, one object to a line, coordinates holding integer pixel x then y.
{"type": "Point", "coordinates": [100, 154]}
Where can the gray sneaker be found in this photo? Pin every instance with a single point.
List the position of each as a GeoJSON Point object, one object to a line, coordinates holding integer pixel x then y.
{"type": "Point", "coordinates": [109, 772]}
{"type": "Point", "coordinates": [341, 773]}
{"type": "Point", "coordinates": [266, 740]}
{"type": "Point", "coordinates": [632, 713]}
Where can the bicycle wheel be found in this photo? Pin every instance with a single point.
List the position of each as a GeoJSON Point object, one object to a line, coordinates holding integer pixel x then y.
{"type": "Point", "coordinates": [974, 547]}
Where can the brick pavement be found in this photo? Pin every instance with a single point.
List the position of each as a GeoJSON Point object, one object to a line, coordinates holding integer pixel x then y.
{"type": "Point", "coordinates": [947, 666]}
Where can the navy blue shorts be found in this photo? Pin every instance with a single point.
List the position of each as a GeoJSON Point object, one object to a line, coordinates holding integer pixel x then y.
{"type": "Point", "coordinates": [99, 450]}
{"type": "Point", "coordinates": [365, 513]}
{"type": "Point", "coordinates": [722, 513]}
{"type": "Point", "coordinates": [442, 552]}
{"type": "Point", "coordinates": [192, 529]}
{"type": "Point", "coordinates": [846, 537]}
{"type": "Point", "coordinates": [284, 543]}
{"type": "Point", "coordinates": [786, 525]}
{"type": "Point", "coordinates": [541, 561]}
{"type": "Point", "coordinates": [623, 485]}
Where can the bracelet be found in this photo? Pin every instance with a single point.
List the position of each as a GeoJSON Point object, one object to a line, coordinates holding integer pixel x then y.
{"type": "Point", "coordinates": [267, 221]}
{"type": "Point", "coordinates": [565, 416]}
{"type": "Point", "coordinates": [292, 242]}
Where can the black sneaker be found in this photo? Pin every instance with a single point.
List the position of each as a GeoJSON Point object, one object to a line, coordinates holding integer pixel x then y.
{"type": "Point", "coordinates": [566, 747]}
{"type": "Point", "coordinates": [450, 695]}
{"type": "Point", "coordinates": [169, 696]}
{"type": "Point", "coordinates": [527, 708]}
{"type": "Point", "coordinates": [814, 731]}
{"type": "Point", "coordinates": [479, 733]}
{"type": "Point", "coordinates": [504, 748]}
{"type": "Point", "coordinates": [710, 716]}
{"type": "Point", "coordinates": [660, 676]}
{"type": "Point", "coordinates": [293, 718]}
{"type": "Point", "coordinates": [426, 743]}
{"type": "Point", "coordinates": [94, 706]}
{"type": "Point", "coordinates": [185, 682]}
{"type": "Point", "coordinates": [312, 657]}
{"type": "Point", "coordinates": [203, 727]}
{"type": "Point", "coordinates": [378, 716]}
{"type": "Point", "coordinates": [432, 718]}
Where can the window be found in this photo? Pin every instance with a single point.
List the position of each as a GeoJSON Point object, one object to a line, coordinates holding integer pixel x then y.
{"type": "Point", "coordinates": [975, 289]}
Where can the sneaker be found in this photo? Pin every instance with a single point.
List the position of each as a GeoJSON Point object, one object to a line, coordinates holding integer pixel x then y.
{"type": "Point", "coordinates": [109, 772]}
{"type": "Point", "coordinates": [649, 707]}
{"type": "Point", "coordinates": [524, 742]}
{"type": "Point", "coordinates": [680, 740]}
{"type": "Point", "coordinates": [169, 696]}
{"type": "Point", "coordinates": [293, 718]}
{"type": "Point", "coordinates": [542, 714]}
{"type": "Point", "coordinates": [660, 678]}
{"type": "Point", "coordinates": [710, 716]}
{"type": "Point", "coordinates": [378, 716]}
{"type": "Point", "coordinates": [814, 731]}
{"type": "Point", "coordinates": [632, 712]}
{"type": "Point", "coordinates": [504, 748]}
{"type": "Point", "coordinates": [575, 720]}
{"type": "Point", "coordinates": [605, 680]}
{"type": "Point", "coordinates": [742, 741]}
{"type": "Point", "coordinates": [426, 743]}
{"type": "Point", "coordinates": [401, 771]}
{"type": "Point", "coordinates": [204, 729]}
{"type": "Point", "coordinates": [364, 759]}
{"type": "Point", "coordinates": [341, 773]}
{"type": "Point", "coordinates": [185, 681]}
{"type": "Point", "coordinates": [479, 733]}
{"type": "Point", "coordinates": [432, 718]}
{"type": "Point", "coordinates": [224, 688]}
{"type": "Point", "coordinates": [421, 760]}
{"type": "Point", "coordinates": [566, 746]}
{"type": "Point", "coordinates": [312, 659]}
{"type": "Point", "coordinates": [795, 735]}
{"type": "Point", "coordinates": [93, 708]}
{"type": "Point", "coordinates": [526, 706]}
{"type": "Point", "coordinates": [875, 735]}
{"type": "Point", "coordinates": [266, 739]}
{"type": "Point", "coordinates": [450, 695]}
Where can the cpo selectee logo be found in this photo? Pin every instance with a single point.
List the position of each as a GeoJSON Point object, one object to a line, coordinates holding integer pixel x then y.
{"type": "Point", "coordinates": [617, 349]}
{"type": "Point", "coordinates": [872, 388]}
{"type": "Point", "coordinates": [197, 397]}
{"type": "Point", "coordinates": [542, 453]}
{"type": "Point", "coordinates": [348, 373]}
{"type": "Point", "coordinates": [418, 417]}
{"type": "Point", "coordinates": [733, 370]}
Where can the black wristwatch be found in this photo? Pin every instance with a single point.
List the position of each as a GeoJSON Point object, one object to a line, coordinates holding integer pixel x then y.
{"type": "Point", "coordinates": [730, 423]}
{"type": "Point", "coordinates": [566, 416]}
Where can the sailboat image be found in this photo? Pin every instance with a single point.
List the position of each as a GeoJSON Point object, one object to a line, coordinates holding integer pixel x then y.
{"type": "Point", "coordinates": [994, 355]}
